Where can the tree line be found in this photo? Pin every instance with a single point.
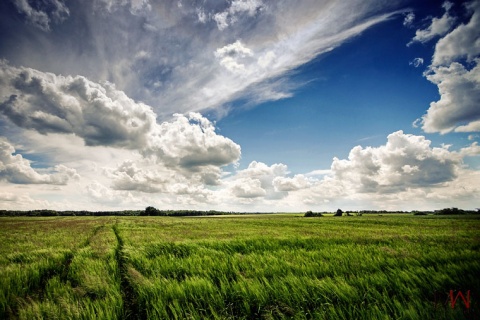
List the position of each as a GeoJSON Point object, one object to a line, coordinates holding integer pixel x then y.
{"type": "Point", "coordinates": [149, 211]}
{"type": "Point", "coordinates": [152, 211]}
{"type": "Point", "coordinates": [445, 211]}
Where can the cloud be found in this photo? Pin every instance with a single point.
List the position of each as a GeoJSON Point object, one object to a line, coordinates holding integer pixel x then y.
{"type": "Point", "coordinates": [47, 103]}
{"type": "Point", "coordinates": [128, 176]}
{"type": "Point", "coordinates": [259, 178]}
{"type": "Point", "coordinates": [438, 26]}
{"type": "Point", "coordinates": [299, 181]}
{"type": "Point", "coordinates": [147, 50]}
{"type": "Point", "coordinates": [457, 108]}
{"type": "Point", "coordinates": [106, 196]}
{"type": "Point", "coordinates": [16, 169]}
{"type": "Point", "coordinates": [248, 188]}
{"type": "Point", "coordinates": [417, 62]}
{"type": "Point", "coordinates": [233, 13]}
{"type": "Point", "coordinates": [462, 42]}
{"type": "Point", "coordinates": [408, 20]}
{"type": "Point", "coordinates": [230, 56]}
{"type": "Point", "coordinates": [135, 6]}
{"type": "Point", "coordinates": [190, 143]}
{"type": "Point", "coordinates": [406, 161]}
{"type": "Point", "coordinates": [458, 82]}
{"type": "Point", "coordinates": [42, 13]}
{"type": "Point", "coordinates": [104, 116]}
{"type": "Point", "coordinates": [406, 172]}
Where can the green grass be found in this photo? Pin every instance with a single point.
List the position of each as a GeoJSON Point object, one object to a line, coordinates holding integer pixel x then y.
{"type": "Point", "coordinates": [239, 267]}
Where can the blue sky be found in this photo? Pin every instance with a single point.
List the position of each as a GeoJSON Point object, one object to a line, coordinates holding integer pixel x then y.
{"type": "Point", "coordinates": [243, 105]}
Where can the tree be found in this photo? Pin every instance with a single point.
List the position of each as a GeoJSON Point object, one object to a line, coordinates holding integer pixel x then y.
{"type": "Point", "coordinates": [339, 213]}
{"type": "Point", "coordinates": [151, 211]}
{"type": "Point", "coordinates": [313, 214]}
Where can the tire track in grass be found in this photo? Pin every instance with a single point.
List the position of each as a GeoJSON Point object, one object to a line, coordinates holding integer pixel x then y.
{"type": "Point", "coordinates": [66, 262]}
{"type": "Point", "coordinates": [130, 305]}
{"type": "Point", "coordinates": [37, 288]}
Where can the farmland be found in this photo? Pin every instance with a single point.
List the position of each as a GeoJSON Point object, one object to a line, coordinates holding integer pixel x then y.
{"type": "Point", "coordinates": [239, 267]}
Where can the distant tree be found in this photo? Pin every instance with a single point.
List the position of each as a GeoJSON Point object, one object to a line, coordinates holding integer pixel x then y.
{"type": "Point", "coordinates": [308, 214]}
{"type": "Point", "coordinates": [313, 214]}
{"type": "Point", "coordinates": [150, 211]}
{"type": "Point", "coordinates": [419, 213]}
{"type": "Point", "coordinates": [446, 211]}
{"type": "Point", "coordinates": [339, 213]}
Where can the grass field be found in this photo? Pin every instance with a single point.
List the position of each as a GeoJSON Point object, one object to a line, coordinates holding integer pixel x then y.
{"type": "Point", "coordinates": [239, 267]}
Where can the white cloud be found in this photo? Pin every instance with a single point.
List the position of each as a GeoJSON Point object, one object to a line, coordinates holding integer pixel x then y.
{"type": "Point", "coordinates": [104, 116]}
{"type": "Point", "coordinates": [16, 169]}
{"type": "Point", "coordinates": [299, 181]}
{"type": "Point", "coordinates": [47, 103]}
{"type": "Point", "coordinates": [202, 16]}
{"type": "Point", "coordinates": [235, 10]}
{"type": "Point", "coordinates": [221, 20]}
{"type": "Point", "coordinates": [462, 42]}
{"type": "Point", "coordinates": [248, 188]}
{"type": "Point", "coordinates": [417, 62]}
{"type": "Point", "coordinates": [268, 49]}
{"type": "Point", "coordinates": [135, 6]}
{"type": "Point", "coordinates": [267, 59]}
{"type": "Point", "coordinates": [129, 177]}
{"type": "Point", "coordinates": [406, 173]}
{"type": "Point", "coordinates": [406, 161]}
{"type": "Point", "coordinates": [438, 26]}
{"type": "Point", "coordinates": [457, 108]}
{"type": "Point", "coordinates": [41, 16]}
{"type": "Point", "coordinates": [458, 82]}
{"type": "Point", "coordinates": [408, 20]}
{"type": "Point", "coordinates": [232, 55]}
{"type": "Point", "coordinates": [175, 72]}
{"type": "Point", "coordinates": [191, 143]}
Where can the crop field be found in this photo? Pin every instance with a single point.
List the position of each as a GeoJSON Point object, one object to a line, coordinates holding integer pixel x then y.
{"type": "Point", "coordinates": [240, 267]}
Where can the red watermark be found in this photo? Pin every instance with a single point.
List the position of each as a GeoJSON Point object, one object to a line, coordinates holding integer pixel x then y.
{"type": "Point", "coordinates": [452, 299]}
{"type": "Point", "coordinates": [466, 301]}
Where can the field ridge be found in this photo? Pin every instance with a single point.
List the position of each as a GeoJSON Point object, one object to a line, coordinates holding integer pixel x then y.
{"type": "Point", "coordinates": [130, 306]}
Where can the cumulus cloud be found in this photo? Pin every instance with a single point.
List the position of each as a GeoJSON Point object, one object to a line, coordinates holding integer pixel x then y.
{"type": "Point", "coordinates": [406, 161]}
{"type": "Point", "coordinates": [248, 188]}
{"type": "Point", "coordinates": [47, 103]}
{"type": "Point", "coordinates": [462, 42]}
{"type": "Point", "coordinates": [438, 26]}
{"type": "Point", "coordinates": [104, 116]}
{"type": "Point", "coordinates": [16, 169]}
{"type": "Point", "coordinates": [191, 143]}
{"type": "Point", "coordinates": [299, 181]}
{"type": "Point", "coordinates": [41, 14]}
{"type": "Point", "coordinates": [458, 82]}
{"type": "Point", "coordinates": [128, 176]}
{"type": "Point", "coordinates": [457, 108]}
{"type": "Point", "coordinates": [259, 177]}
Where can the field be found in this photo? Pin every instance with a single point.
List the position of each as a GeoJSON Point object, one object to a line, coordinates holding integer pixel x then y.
{"type": "Point", "coordinates": [240, 267]}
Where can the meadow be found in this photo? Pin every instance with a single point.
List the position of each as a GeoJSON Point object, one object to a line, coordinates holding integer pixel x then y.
{"type": "Point", "coordinates": [281, 266]}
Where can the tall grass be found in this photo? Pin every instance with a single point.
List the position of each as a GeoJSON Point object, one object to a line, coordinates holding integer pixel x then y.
{"type": "Point", "coordinates": [258, 267]}
{"type": "Point", "coordinates": [54, 282]}
{"type": "Point", "coordinates": [351, 269]}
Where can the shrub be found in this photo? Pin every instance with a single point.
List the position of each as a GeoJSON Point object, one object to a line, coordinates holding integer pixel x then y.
{"type": "Point", "coordinates": [313, 214]}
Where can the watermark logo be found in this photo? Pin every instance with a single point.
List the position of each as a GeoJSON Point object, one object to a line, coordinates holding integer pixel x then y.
{"type": "Point", "coordinates": [466, 300]}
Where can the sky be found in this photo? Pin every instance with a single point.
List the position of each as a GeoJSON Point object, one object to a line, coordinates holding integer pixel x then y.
{"type": "Point", "coordinates": [239, 105]}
